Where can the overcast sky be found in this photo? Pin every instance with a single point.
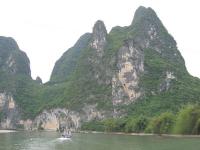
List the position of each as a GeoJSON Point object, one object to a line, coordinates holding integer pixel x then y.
{"type": "Point", "coordinates": [45, 29]}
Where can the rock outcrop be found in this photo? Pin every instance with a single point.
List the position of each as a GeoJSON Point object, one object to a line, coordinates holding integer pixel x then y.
{"type": "Point", "coordinates": [12, 59]}
{"type": "Point", "coordinates": [57, 119]}
{"type": "Point", "coordinates": [130, 64]}
{"type": "Point", "coordinates": [99, 37]}
{"type": "Point", "coordinates": [38, 80]}
{"type": "Point", "coordinates": [9, 112]}
{"type": "Point", "coordinates": [135, 69]}
{"type": "Point", "coordinates": [68, 62]}
{"type": "Point", "coordinates": [127, 64]}
{"type": "Point", "coordinates": [16, 85]}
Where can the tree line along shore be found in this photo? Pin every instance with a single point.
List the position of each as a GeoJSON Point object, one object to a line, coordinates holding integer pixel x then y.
{"type": "Point", "coordinates": [186, 122]}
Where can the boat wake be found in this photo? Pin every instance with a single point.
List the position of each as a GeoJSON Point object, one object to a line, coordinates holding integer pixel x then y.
{"type": "Point", "coordinates": [64, 139]}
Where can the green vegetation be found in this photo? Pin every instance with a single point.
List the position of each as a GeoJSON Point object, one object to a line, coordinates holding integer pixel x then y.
{"type": "Point", "coordinates": [81, 77]}
{"type": "Point", "coordinates": [137, 124]}
{"type": "Point", "coordinates": [93, 126]}
{"type": "Point", "coordinates": [74, 82]}
{"type": "Point", "coordinates": [186, 121]}
{"type": "Point", "coordinates": [162, 124]}
{"type": "Point", "coordinates": [67, 63]}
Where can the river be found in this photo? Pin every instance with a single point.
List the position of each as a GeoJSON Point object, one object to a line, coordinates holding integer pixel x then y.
{"type": "Point", "coordinates": [81, 141]}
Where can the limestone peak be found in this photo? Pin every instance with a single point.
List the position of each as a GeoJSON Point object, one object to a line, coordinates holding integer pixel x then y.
{"type": "Point", "coordinates": [99, 26]}
{"type": "Point", "coordinates": [8, 44]}
{"type": "Point", "coordinates": [99, 36]}
{"type": "Point", "coordinates": [38, 80]}
{"type": "Point", "coordinates": [143, 13]}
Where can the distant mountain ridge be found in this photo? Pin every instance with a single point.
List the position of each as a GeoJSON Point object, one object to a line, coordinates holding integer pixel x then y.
{"type": "Point", "coordinates": [133, 70]}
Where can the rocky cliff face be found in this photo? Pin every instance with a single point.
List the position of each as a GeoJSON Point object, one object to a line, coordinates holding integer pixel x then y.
{"type": "Point", "coordinates": [98, 44]}
{"type": "Point", "coordinates": [15, 81]}
{"type": "Point", "coordinates": [9, 112]}
{"type": "Point", "coordinates": [146, 32]}
{"type": "Point", "coordinates": [57, 119]}
{"type": "Point", "coordinates": [99, 38]}
{"type": "Point", "coordinates": [130, 65]}
{"type": "Point", "coordinates": [127, 64]}
{"type": "Point", "coordinates": [12, 60]}
{"type": "Point", "coordinates": [67, 63]}
{"type": "Point", "coordinates": [131, 70]}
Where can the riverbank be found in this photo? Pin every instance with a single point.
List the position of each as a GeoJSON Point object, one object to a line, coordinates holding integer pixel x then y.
{"type": "Point", "coordinates": [117, 133]}
{"type": "Point", "coordinates": [141, 134]}
{"type": "Point", "coordinates": [7, 131]}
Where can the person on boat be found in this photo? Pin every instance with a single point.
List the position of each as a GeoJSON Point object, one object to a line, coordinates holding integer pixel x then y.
{"type": "Point", "coordinates": [67, 134]}
{"type": "Point", "coordinates": [64, 134]}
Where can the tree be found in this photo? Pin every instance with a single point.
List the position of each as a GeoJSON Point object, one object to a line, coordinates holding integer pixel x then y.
{"type": "Point", "coordinates": [161, 124]}
{"type": "Point", "coordinates": [188, 120]}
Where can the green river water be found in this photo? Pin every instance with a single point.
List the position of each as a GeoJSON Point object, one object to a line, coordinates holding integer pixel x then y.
{"type": "Point", "coordinates": [81, 141]}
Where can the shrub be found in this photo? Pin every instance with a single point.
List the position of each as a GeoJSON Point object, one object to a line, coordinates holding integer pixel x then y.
{"type": "Point", "coordinates": [161, 124]}
{"type": "Point", "coordinates": [110, 125]}
{"type": "Point", "coordinates": [188, 120]}
{"type": "Point", "coordinates": [93, 126]}
{"type": "Point", "coordinates": [129, 125]}
{"type": "Point", "coordinates": [120, 124]}
{"type": "Point", "coordinates": [140, 124]}
{"type": "Point", "coordinates": [137, 124]}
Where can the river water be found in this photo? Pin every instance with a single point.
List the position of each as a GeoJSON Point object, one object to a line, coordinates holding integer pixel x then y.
{"type": "Point", "coordinates": [81, 141]}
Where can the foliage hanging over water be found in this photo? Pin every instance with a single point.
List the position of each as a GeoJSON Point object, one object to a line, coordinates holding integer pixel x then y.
{"type": "Point", "coordinates": [186, 121]}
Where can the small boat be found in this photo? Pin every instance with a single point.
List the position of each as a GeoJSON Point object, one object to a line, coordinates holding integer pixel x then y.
{"type": "Point", "coordinates": [66, 135]}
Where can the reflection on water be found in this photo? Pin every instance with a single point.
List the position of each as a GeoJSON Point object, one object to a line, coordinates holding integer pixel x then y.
{"type": "Point", "coordinates": [51, 141]}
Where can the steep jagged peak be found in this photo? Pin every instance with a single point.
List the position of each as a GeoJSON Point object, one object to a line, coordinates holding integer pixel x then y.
{"type": "Point", "coordinates": [38, 80]}
{"type": "Point", "coordinates": [145, 19]}
{"type": "Point", "coordinates": [144, 13]}
{"type": "Point", "coordinates": [67, 63]}
{"type": "Point", "coordinates": [82, 41]}
{"type": "Point", "coordinates": [99, 37]}
{"type": "Point", "coordinates": [99, 29]}
{"type": "Point", "coordinates": [148, 27]}
{"type": "Point", "coordinates": [150, 33]}
{"type": "Point", "coordinates": [8, 44]}
{"type": "Point", "coordinates": [12, 59]}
